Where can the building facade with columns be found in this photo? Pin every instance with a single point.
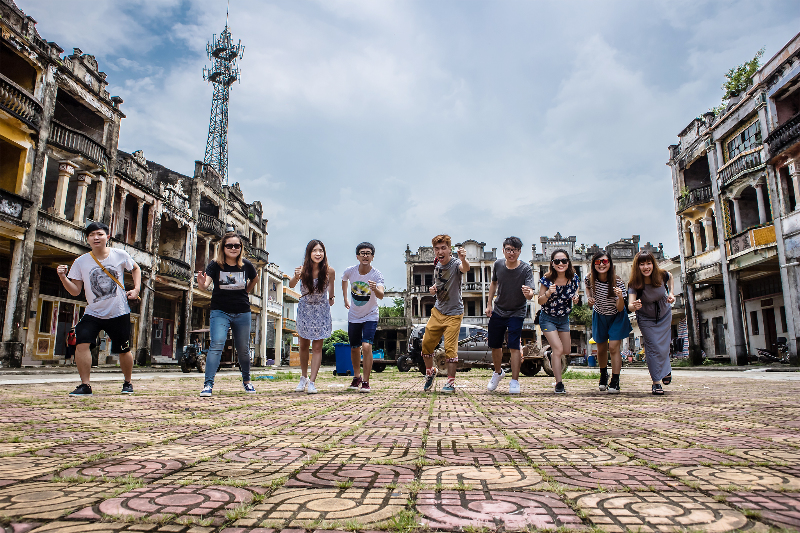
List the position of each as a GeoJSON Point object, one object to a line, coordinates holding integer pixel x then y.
{"type": "Point", "coordinates": [735, 187]}
{"type": "Point", "coordinates": [60, 167]}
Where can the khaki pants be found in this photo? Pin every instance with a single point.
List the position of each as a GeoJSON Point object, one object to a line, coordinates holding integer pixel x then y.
{"type": "Point", "coordinates": [438, 325]}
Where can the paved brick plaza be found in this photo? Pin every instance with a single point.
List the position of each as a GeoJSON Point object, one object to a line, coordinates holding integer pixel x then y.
{"type": "Point", "coordinates": [714, 454]}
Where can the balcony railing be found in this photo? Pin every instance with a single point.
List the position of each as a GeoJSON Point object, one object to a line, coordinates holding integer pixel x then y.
{"type": "Point", "coordinates": [274, 306]}
{"type": "Point", "coordinates": [175, 268]}
{"type": "Point", "coordinates": [421, 289]}
{"type": "Point", "coordinates": [211, 225]}
{"type": "Point", "coordinates": [476, 320]}
{"type": "Point", "coordinates": [394, 321]}
{"type": "Point", "coordinates": [787, 134]}
{"type": "Point", "coordinates": [290, 294]}
{"type": "Point", "coordinates": [289, 324]}
{"type": "Point", "coordinates": [741, 164]}
{"type": "Point", "coordinates": [476, 286]}
{"type": "Point", "coordinates": [13, 205]}
{"type": "Point", "coordinates": [75, 141]}
{"type": "Point", "coordinates": [19, 103]}
{"type": "Point", "coordinates": [261, 256]}
{"type": "Point", "coordinates": [701, 195]}
{"type": "Point", "coordinates": [750, 239]}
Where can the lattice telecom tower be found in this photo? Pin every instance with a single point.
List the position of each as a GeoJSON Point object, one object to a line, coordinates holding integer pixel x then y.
{"type": "Point", "coordinates": [224, 54]}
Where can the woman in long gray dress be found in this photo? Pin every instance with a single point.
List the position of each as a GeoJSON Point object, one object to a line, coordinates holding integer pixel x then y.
{"type": "Point", "coordinates": [650, 293]}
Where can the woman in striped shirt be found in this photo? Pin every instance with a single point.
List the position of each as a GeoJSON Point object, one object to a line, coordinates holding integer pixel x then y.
{"type": "Point", "coordinates": [610, 323]}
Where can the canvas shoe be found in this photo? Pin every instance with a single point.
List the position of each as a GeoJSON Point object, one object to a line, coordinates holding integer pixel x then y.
{"type": "Point", "coordinates": [449, 388]}
{"type": "Point", "coordinates": [613, 386]}
{"type": "Point", "coordinates": [429, 381]}
{"type": "Point", "coordinates": [310, 388]}
{"type": "Point", "coordinates": [206, 392]}
{"type": "Point", "coordinates": [248, 387]}
{"type": "Point", "coordinates": [513, 387]}
{"type": "Point", "coordinates": [302, 385]}
{"type": "Point", "coordinates": [603, 385]}
{"type": "Point", "coordinates": [364, 387]}
{"type": "Point", "coordinates": [355, 384]}
{"type": "Point", "coordinates": [495, 380]}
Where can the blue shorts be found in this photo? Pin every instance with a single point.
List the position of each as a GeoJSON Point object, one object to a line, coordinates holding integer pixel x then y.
{"type": "Point", "coordinates": [497, 331]}
{"type": "Point", "coordinates": [361, 332]}
{"type": "Point", "coordinates": [553, 323]}
{"type": "Point", "coordinates": [610, 327]}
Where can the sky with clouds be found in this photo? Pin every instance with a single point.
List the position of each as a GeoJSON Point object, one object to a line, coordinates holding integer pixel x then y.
{"type": "Point", "coordinates": [392, 121]}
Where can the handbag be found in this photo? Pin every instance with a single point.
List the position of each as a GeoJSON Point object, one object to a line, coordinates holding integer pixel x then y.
{"type": "Point", "coordinates": [121, 286]}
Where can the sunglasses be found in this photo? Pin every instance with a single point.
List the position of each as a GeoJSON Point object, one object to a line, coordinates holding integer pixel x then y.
{"type": "Point", "coordinates": [601, 262]}
{"type": "Point", "coordinates": [233, 246]}
{"type": "Point", "coordinates": [560, 261]}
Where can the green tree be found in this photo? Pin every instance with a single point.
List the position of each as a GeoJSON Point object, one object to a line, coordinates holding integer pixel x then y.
{"type": "Point", "coordinates": [737, 80]}
{"type": "Point", "coordinates": [328, 348]}
{"type": "Point", "coordinates": [398, 309]}
{"type": "Point", "coordinates": [581, 314]}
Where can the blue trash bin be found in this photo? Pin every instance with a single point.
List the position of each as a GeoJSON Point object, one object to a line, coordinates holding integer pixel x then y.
{"type": "Point", "coordinates": [344, 365]}
{"type": "Point", "coordinates": [592, 360]}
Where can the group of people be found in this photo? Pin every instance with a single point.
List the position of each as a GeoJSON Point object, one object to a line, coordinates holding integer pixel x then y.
{"type": "Point", "coordinates": [100, 274]}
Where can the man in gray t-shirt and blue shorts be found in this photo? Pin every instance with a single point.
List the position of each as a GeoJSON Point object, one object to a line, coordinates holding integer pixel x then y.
{"type": "Point", "coordinates": [512, 282]}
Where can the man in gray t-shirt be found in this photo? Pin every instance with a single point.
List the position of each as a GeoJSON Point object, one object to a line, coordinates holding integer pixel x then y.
{"type": "Point", "coordinates": [512, 282]}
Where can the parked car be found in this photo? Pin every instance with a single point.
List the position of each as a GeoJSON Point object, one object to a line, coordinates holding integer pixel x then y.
{"type": "Point", "coordinates": [474, 352]}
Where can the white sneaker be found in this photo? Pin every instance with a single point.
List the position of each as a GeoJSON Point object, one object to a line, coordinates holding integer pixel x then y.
{"type": "Point", "coordinates": [302, 385]}
{"type": "Point", "coordinates": [310, 388]}
{"type": "Point", "coordinates": [495, 381]}
{"type": "Point", "coordinates": [513, 387]}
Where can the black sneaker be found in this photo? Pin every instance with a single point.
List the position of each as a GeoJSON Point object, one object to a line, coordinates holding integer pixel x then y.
{"type": "Point", "coordinates": [560, 388]}
{"type": "Point", "coordinates": [657, 389]}
{"type": "Point", "coordinates": [82, 390]}
{"type": "Point", "coordinates": [603, 381]}
{"type": "Point", "coordinates": [613, 386]}
{"type": "Point", "coordinates": [127, 388]}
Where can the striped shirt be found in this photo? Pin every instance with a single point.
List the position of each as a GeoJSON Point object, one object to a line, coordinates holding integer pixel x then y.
{"type": "Point", "coordinates": [603, 304]}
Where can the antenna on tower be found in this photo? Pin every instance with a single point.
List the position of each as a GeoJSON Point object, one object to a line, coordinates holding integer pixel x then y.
{"type": "Point", "coordinates": [222, 74]}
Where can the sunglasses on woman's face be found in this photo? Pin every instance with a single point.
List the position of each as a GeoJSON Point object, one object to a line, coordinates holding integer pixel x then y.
{"type": "Point", "coordinates": [601, 262]}
{"type": "Point", "coordinates": [560, 261]}
{"type": "Point", "coordinates": [230, 246]}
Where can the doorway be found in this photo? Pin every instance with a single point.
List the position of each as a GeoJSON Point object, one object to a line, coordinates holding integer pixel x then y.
{"type": "Point", "coordinates": [770, 329]}
{"type": "Point", "coordinates": [718, 328]}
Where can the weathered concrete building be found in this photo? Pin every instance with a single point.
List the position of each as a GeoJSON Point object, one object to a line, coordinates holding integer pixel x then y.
{"type": "Point", "coordinates": [735, 186]}
{"type": "Point", "coordinates": [60, 167]}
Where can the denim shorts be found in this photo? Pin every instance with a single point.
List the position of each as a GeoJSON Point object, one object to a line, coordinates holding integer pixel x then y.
{"type": "Point", "coordinates": [553, 323]}
{"type": "Point", "coordinates": [361, 332]}
{"type": "Point", "coordinates": [497, 331]}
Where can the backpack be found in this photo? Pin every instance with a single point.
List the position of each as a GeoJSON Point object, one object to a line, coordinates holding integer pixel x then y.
{"type": "Point", "coordinates": [72, 340]}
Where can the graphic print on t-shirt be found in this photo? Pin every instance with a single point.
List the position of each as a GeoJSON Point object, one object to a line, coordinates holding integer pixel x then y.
{"type": "Point", "coordinates": [102, 286]}
{"type": "Point", "coordinates": [441, 282]}
{"type": "Point", "coordinates": [360, 292]}
{"type": "Point", "coordinates": [230, 281]}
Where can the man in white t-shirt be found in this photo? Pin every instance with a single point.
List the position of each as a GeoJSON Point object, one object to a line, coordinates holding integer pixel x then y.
{"type": "Point", "coordinates": [366, 288]}
{"type": "Point", "coordinates": [107, 308]}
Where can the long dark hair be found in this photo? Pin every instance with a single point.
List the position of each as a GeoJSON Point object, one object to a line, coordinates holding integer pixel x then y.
{"type": "Point", "coordinates": [552, 274]}
{"type": "Point", "coordinates": [307, 272]}
{"type": "Point", "coordinates": [657, 276]}
{"type": "Point", "coordinates": [611, 276]}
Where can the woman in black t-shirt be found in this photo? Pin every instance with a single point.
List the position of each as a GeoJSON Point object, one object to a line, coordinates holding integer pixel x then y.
{"type": "Point", "coordinates": [233, 277]}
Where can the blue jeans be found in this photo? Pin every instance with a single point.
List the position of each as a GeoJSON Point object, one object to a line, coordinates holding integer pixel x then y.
{"type": "Point", "coordinates": [221, 322]}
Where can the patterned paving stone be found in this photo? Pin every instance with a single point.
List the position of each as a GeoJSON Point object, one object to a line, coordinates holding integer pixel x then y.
{"type": "Point", "coordinates": [454, 510]}
{"type": "Point", "coordinates": [81, 450]}
{"type": "Point", "coordinates": [299, 506]}
{"type": "Point", "coordinates": [576, 456]}
{"type": "Point", "coordinates": [748, 478]}
{"type": "Point", "coordinates": [361, 475]}
{"type": "Point", "coordinates": [27, 467]}
{"type": "Point", "coordinates": [475, 456]}
{"type": "Point", "coordinates": [612, 477]}
{"type": "Point", "coordinates": [666, 511]}
{"type": "Point", "coordinates": [144, 469]}
{"type": "Point", "coordinates": [159, 500]}
{"type": "Point", "coordinates": [485, 477]}
{"type": "Point", "coordinates": [649, 441]}
{"type": "Point", "coordinates": [45, 500]}
{"type": "Point", "coordinates": [253, 474]}
{"type": "Point", "coordinates": [374, 455]}
{"type": "Point", "coordinates": [383, 439]}
{"type": "Point", "coordinates": [781, 509]}
{"type": "Point", "coordinates": [767, 454]}
{"type": "Point", "coordinates": [283, 456]}
{"type": "Point", "coordinates": [683, 456]}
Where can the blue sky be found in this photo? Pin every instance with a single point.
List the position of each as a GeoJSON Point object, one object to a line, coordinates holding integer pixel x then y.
{"type": "Point", "coordinates": [392, 121]}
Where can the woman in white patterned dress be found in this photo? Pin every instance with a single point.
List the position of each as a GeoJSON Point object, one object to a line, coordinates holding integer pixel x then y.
{"type": "Point", "coordinates": [314, 311]}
